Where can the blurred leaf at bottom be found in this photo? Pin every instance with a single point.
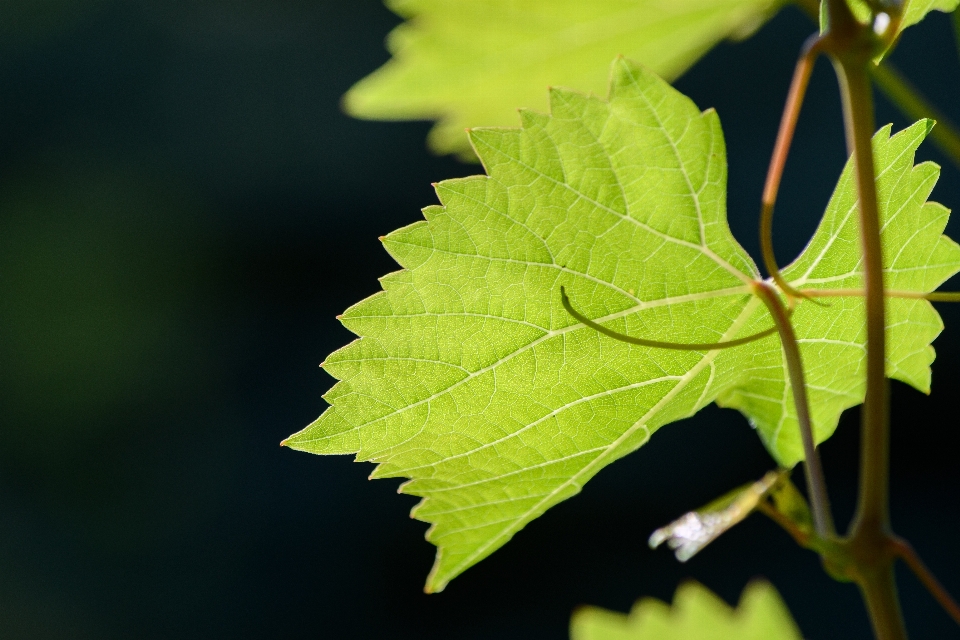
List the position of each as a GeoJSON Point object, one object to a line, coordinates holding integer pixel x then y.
{"type": "Point", "coordinates": [696, 614]}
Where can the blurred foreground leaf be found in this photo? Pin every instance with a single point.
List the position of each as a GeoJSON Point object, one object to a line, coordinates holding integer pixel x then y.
{"type": "Point", "coordinates": [696, 614]}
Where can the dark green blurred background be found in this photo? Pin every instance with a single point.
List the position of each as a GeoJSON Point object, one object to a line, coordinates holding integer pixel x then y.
{"type": "Point", "coordinates": [184, 210]}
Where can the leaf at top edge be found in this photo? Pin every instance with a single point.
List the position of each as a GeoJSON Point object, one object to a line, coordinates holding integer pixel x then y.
{"type": "Point", "coordinates": [917, 10]}
{"type": "Point", "coordinates": [471, 380]}
{"type": "Point", "coordinates": [469, 63]}
{"type": "Point", "coordinates": [696, 614]}
{"type": "Point", "coordinates": [914, 12]}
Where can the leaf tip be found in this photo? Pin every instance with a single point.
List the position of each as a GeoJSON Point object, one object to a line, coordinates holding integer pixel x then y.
{"type": "Point", "coordinates": [433, 585]}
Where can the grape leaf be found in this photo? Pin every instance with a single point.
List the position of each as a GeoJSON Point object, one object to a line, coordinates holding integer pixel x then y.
{"type": "Point", "coordinates": [473, 62]}
{"type": "Point", "coordinates": [469, 377]}
{"type": "Point", "coordinates": [917, 258]}
{"type": "Point", "coordinates": [696, 613]}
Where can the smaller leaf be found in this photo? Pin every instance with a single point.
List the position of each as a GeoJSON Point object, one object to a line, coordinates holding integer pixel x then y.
{"type": "Point", "coordinates": [695, 530]}
{"type": "Point", "coordinates": [696, 614]}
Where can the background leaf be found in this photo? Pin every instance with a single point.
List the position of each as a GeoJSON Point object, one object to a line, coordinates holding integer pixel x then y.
{"type": "Point", "coordinates": [696, 614]}
{"type": "Point", "coordinates": [468, 63]}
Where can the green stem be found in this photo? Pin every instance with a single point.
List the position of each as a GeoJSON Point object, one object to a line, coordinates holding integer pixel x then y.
{"type": "Point", "coordinates": [801, 537]}
{"type": "Point", "coordinates": [816, 481]}
{"type": "Point", "coordinates": [879, 591]}
{"type": "Point", "coordinates": [851, 45]}
{"type": "Point", "coordinates": [873, 509]}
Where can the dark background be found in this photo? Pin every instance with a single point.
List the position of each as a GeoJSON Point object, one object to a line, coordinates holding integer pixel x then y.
{"type": "Point", "coordinates": [184, 210]}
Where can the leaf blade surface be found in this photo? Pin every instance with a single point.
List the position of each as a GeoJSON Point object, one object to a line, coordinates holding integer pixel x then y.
{"type": "Point", "coordinates": [470, 378]}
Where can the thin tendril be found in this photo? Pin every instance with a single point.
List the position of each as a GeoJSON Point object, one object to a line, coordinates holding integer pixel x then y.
{"type": "Point", "coordinates": [788, 124]}
{"type": "Point", "coordinates": [679, 346]}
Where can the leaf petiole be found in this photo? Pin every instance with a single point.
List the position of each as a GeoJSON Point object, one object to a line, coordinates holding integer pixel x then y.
{"type": "Point", "coordinates": [935, 296]}
{"type": "Point", "coordinates": [816, 481]}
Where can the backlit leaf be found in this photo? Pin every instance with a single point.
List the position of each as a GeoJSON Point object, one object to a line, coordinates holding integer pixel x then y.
{"type": "Point", "coordinates": [472, 381]}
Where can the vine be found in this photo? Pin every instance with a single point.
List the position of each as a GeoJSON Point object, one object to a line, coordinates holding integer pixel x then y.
{"type": "Point", "coordinates": [470, 378]}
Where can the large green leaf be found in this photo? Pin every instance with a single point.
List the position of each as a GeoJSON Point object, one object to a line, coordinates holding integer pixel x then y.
{"type": "Point", "coordinates": [473, 62]}
{"type": "Point", "coordinates": [696, 614]}
{"type": "Point", "coordinates": [471, 380]}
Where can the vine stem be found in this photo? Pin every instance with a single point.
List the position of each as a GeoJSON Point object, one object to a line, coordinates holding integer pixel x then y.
{"type": "Point", "coordinates": [851, 47]}
{"type": "Point", "coordinates": [873, 511]}
{"type": "Point", "coordinates": [816, 481]}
